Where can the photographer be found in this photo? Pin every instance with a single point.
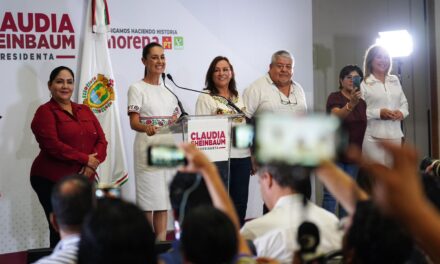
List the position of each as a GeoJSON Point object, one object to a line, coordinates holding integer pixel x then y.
{"type": "Point", "coordinates": [398, 193]}
{"type": "Point", "coordinates": [430, 170]}
{"type": "Point", "coordinates": [370, 237]}
{"type": "Point", "coordinates": [199, 163]}
{"type": "Point", "coordinates": [274, 234]}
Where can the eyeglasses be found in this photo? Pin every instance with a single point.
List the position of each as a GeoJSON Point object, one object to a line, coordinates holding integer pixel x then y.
{"type": "Point", "coordinates": [287, 102]}
{"type": "Point", "coordinates": [282, 66]}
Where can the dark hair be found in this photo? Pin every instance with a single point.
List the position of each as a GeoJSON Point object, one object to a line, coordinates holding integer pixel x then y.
{"type": "Point", "coordinates": [209, 80]}
{"type": "Point", "coordinates": [146, 51]}
{"type": "Point", "coordinates": [208, 236]}
{"type": "Point", "coordinates": [346, 71]}
{"type": "Point", "coordinates": [54, 73]}
{"type": "Point", "coordinates": [116, 232]}
{"type": "Point", "coordinates": [375, 238]}
{"type": "Point", "coordinates": [72, 198]}
{"type": "Point", "coordinates": [297, 178]}
{"type": "Point", "coordinates": [180, 186]}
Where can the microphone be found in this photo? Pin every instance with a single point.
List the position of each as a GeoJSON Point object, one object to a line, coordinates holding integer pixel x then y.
{"type": "Point", "coordinates": [308, 237]}
{"type": "Point", "coordinates": [230, 103]}
{"type": "Point", "coordinates": [178, 101]}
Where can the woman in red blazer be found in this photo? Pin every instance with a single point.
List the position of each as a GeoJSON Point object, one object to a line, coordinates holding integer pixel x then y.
{"type": "Point", "coordinates": [70, 137]}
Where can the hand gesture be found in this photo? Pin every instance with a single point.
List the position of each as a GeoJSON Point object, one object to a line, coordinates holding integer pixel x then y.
{"type": "Point", "coordinates": [397, 115]}
{"type": "Point", "coordinates": [398, 188]}
{"type": "Point", "coordinates": [93, 162]}
{"type": "Point", "coordinates": [88, 172]}
{"type": "Point", "coordinates": [386, 114]}
{"type": "Point", "coordinates": [151, 130]}
{"type": "Point", "coordinates": [355, 95]}
{"type": "Point", "coordinates": [197, 160]}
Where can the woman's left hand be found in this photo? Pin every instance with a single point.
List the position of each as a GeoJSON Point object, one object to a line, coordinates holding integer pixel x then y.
{"type": "Point", "coordinates": [88, 172]}
{"type": "Point", "coordinates": [397, 115]}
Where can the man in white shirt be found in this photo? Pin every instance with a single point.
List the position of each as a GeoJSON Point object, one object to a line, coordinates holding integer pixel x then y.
{"type": "Point", "coordinates": [72, 198]}
{"type": "Point", "coordinates": [276, 91]}
{"type": "Point", "coordinates": [274, 234]}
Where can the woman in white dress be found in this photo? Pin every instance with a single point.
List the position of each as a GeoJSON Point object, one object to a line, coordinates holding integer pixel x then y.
{"type": "Point", "coordinates": [220, 81]}
{"type": "Point", "coordinates": [386, 104]}
{"type": "Point", "coordinates": [150, 106]}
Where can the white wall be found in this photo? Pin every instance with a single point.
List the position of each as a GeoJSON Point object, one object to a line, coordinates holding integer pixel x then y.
{"type": "Point", "coordinates": [342, 41]}
{"type": "Point", "coordinates": [343, 30]}
{"type": "Point", "coordinates": [246, 31]}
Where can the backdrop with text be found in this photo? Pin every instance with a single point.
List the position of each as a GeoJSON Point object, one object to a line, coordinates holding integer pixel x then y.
{"type": "Point", "coordinates": [36, 37]}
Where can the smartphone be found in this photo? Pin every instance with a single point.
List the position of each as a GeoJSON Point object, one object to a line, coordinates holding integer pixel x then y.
{"type": "Point", "coordinates": [357, 82]}
{"type": "Point", "coordinates": [165, 156]}
{"type": "Point", "coordinates": [296, 140]}
{"type": "Point", "coordinates": [242, 136]}
{"type": "Point", "coordinates": [109, 191]}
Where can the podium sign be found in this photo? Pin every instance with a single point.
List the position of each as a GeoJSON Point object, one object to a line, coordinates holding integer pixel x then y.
{"type": "Point", "coordinates": [211, 136]}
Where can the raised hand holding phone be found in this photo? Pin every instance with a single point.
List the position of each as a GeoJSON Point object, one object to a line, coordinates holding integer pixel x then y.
{"type": "Point", "coordinates": [355, 92]}
{"type": "Point", "coordinates": [165, 156]}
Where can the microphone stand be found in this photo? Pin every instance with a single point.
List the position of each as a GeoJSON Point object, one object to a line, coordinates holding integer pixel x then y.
{"type": "Point", "coordinates": [179, 103]}
{"type": "Point", "coordinates": [230, 103]}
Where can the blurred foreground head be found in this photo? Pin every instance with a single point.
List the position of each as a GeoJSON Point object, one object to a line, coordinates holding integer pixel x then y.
{"type": "Point", "coordinates": [208, 236]}
{"type": "Point", "coordinates": [116, 232]}
{"type": "Point", "coordinates": [374, 238]}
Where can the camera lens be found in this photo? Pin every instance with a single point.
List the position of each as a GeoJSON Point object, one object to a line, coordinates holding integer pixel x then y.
{"type": "Point", "coordinates": [428, 161]}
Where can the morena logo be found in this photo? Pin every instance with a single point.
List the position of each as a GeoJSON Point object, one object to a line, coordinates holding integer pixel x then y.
{"type": "Point", "coordinates": [137, 38]}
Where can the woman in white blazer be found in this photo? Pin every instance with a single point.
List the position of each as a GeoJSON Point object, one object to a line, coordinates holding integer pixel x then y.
{"type": "Point", "coordinates": [386, 104]}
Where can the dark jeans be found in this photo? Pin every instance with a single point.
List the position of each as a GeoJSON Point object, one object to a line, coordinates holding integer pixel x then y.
{"type": "Point", "coordinates": [329, 203]}
{"type": "Point", "coordinates": [239, 176]}
{"type": "Point", "coordinates": [43, 187]}
{"type": "Point", "coordinates": [239, 185]}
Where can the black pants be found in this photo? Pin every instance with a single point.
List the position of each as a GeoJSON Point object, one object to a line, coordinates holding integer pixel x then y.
{"type": "Point", "coordinates": [43, 187]}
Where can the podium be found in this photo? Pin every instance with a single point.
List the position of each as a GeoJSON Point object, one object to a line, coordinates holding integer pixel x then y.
{"type": "Point", "coordinates": [210, 133]}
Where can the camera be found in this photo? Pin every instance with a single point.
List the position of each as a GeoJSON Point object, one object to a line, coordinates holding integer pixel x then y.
{"type": "Point", "coordinates": [243, 136]}
{"type": "Point", "coordinates": [165, 156]}
{"type": "Point", "coordinates": [291, 140]}
{"type": "Point", "coordinates": [428, 161]}
{"type": "Point", "coordinates": [107, 191]}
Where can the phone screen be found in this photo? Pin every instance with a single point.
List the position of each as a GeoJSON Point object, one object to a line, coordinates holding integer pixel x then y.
{"type": "Point", "coordinates": [357, 81]}
{"type": "Point", "coordinates": [242, 136]}
{"type": "Point", "coordinates": [302, 140]}
{"type": "Point", "coordinates": [108, 191]}
{"type": "Point", "coordinates": [165, 156]}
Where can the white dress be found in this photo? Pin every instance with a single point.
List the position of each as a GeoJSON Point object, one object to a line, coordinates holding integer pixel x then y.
{"type": "Point", "coordinates": [155, 105]}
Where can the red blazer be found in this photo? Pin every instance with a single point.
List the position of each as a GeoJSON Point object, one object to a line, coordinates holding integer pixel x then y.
{"type": "Point", "coordinates": [65, 140]}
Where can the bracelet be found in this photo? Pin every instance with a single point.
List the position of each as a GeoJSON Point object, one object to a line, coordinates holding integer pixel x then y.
{"type": "Point", "coordinates": [93, 169]}
{"type": "Point", "coordinates": [349, 109]}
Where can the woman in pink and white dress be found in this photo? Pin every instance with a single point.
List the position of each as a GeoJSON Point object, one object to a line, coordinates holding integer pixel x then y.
{"type": "Point", "coordinates": [150, 106]}
{"type": "Point", "coordinates": [220, 83]}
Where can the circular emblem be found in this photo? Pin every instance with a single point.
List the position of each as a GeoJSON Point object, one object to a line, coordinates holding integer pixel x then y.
{"type": "Point", "coordinates": [98, 93]}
